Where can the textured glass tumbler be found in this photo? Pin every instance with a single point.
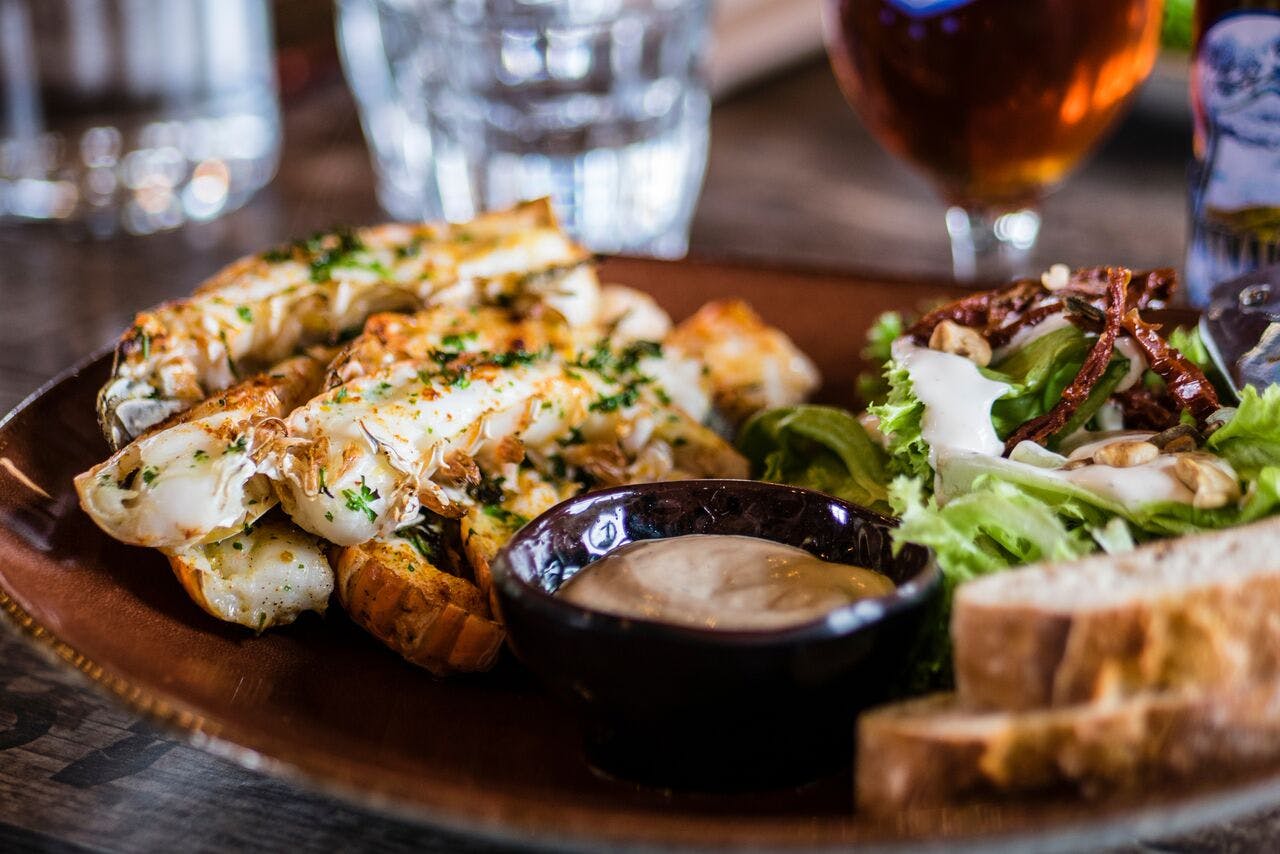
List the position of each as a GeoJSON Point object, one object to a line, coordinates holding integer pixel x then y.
{"type": "Point", "coordinates": [472, 105]}
{"type": "Point", "coordinates": [134, 115]}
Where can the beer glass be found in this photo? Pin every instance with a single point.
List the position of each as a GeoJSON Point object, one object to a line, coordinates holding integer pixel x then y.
{"type": "Point", "coordinates": [995, 101]}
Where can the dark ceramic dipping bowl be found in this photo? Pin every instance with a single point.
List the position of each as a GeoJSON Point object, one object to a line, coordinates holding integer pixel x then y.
{"type": "Point", "coordinates": [702, 708]}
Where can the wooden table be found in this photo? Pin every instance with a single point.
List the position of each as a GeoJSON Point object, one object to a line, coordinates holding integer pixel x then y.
{"type": "Point", "coordinates": [792, 176]}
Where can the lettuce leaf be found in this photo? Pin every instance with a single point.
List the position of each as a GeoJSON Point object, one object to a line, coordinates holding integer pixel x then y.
{"type": "Point", "coordinates": [1039, 373]}
{"type": "Point", "coordinates": [1250, 440]}
{"type": "Point", "coordinates": [901, 416]}
{"type": "Point", "coordinates": [877, 351]}
{"type": "Point", "coordinates": [819, 447]}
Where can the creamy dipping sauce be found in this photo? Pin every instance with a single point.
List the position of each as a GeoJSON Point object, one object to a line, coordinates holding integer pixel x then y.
{"type": "Point", "coordinates": [718, 581]}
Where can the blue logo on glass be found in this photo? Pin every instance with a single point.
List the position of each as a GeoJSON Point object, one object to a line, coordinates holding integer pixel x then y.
{"type": "Point", "coordinates": [926, 8]}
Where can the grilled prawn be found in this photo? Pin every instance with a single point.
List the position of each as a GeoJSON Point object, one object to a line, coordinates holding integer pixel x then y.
{"type": "Point", "coordinates": [750, 365]}
{"type": "Point", "coordinates": [202, 477]}
{"type": "Point", "coordinates": [265, 308]}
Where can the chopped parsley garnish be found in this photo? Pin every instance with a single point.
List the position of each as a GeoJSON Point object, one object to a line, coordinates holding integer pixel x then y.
{"type": "Point", "coordinates": [613, 402]}
{"type": "Point", "coordinates": [244, 313]}
{"type": "Point", "coordinates": [237, 545]}
{"type": "Point", "coordinates": [520, 357]}
{"type": "Point", "coordinates": [239, 446]}
{"type": "Point", "coordinates": [324, 490]}
{"type": "Point", "coordinates": [458, 342]}
{"type": "Point", "coordinates": [358, 501]}
{"type": "Point", "coordinates": [326, 250]}
{"type": "Point", "coordinates": [615, 366]}
{"type": "Point", "coordinates": [504, 516]}
{"type": "Point", "coordinates": [149, 475]}
{"type": "Point", "coordinates": [328, 514]}
{"type": "Point", "coordinates": [574, 437]}
{"type": "Point", "coordinates": [200, 455]}
{"type": "Point", "coordinates": [340, 395]}
{"type": "Point", "coordinates": [426, 538]}
{"type": "Point", "coordinates": [146, 342]}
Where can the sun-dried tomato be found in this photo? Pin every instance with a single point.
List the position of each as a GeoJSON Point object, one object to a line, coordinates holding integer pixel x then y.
{"type": "Point", "coordinates": [1146, 288]}
{"type": "Point", "coordinates": [1187, 385]}
{"type": "Point", "coordinates": [999, 313]}
{"type": "Point", "coordinates": [1030, 317]}
{"type": "Point", "coordinates": [1095, 363]}
{"type": "Point", "coordinates": [1145, 409]}
{"type": "Point", "coordinates": [985, 311]}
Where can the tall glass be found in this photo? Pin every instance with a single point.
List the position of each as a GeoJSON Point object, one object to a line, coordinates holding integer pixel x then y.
{"type": "Point", "coordinates": [470, 105]}
{"type": "Point", "coordinates": [995, 101]}
{"type": "Point", "coordinates": [134, 115]}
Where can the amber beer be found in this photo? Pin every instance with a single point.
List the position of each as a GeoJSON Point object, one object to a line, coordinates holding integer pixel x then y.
{"type": "Point", "coordinates": [995, 100]}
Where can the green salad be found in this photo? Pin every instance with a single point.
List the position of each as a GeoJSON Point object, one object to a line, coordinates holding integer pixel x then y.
{"type": "Point", "coordinates": [1046, 420]}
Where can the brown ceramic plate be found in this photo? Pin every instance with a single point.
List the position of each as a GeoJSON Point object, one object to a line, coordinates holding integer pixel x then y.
{"type": "Point", "coordinates": [325, 704]}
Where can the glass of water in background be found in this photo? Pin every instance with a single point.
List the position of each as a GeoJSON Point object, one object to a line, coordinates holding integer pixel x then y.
{"type": "Point", "coordinates": [471, 105]}
{"type": "Point", "coordinates": [134, 115]}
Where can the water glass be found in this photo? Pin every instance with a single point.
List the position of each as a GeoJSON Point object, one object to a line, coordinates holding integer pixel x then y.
{"type": "Point", "coordinates": [134, 115]}
{"type": "Point", "coordinates": [471, 105]}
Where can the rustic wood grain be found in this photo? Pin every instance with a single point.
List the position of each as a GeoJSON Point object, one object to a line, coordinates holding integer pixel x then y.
{"type": "Point", "coordinates": [792, 177]}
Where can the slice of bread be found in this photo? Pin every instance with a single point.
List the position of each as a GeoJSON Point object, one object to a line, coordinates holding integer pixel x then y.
{"type": "Point", "coordinates": [1201, 610]}
{"type": "Point", "coordinates": [932, 751]}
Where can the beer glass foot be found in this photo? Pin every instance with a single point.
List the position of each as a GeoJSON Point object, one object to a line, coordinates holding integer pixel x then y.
{"type": "Point", "coordinates": [991, 245]}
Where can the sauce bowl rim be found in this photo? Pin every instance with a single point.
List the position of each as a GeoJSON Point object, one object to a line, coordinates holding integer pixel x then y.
{"type": "Point", "coordinates": [838, 623]}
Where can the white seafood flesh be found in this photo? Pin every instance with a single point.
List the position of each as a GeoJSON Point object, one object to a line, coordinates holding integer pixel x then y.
{"type": "Point", "coordinates": [262, 577]}
{"type": "Point", "coordinates": [360, 455]}
{"type": "Point", "coordinates": [202, 478]}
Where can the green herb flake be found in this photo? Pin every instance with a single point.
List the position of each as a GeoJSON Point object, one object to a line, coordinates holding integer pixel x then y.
{"type": "Point", "coordinates": [149, 475]}
{"type": "Point", "coordinates": [504, 516]}
{"type": "Point", "coordinates": [244, 313]}
{"type": "Point", "coordinates": [358, 501]}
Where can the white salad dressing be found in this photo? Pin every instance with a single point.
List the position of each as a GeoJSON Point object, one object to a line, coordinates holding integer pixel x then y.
{"type": "Point", "coordinates": [1132, 486]}
{"type": "Point", "coordinates": [957, 400]}
{"type": "Point", "coordinates": [1137, 362]}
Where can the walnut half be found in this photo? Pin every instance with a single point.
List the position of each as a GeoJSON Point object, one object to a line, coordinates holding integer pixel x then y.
{"type": "Point", "coordinates": [950, 337]}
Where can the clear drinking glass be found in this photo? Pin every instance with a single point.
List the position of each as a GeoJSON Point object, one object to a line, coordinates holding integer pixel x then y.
{"type": "Point", "coordinates": [995, 101]}
{"type": "Point", "coordinates": [134, 115]}
{"type": "Point", "coordinates": [471, 105]}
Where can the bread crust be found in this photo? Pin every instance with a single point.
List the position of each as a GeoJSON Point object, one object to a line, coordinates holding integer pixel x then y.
{"type": "Point", "coordinates": [1218, 625]}
{"type": "Point", "coordinates": [932, 752]}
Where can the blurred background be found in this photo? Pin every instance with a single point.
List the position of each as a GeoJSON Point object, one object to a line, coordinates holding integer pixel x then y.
{"type": "Point", "coordinates": [792, 176]}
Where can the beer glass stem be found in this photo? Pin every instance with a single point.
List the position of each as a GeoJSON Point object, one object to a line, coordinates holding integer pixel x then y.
{"type": "Point", "coordinates": [991, 245]}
